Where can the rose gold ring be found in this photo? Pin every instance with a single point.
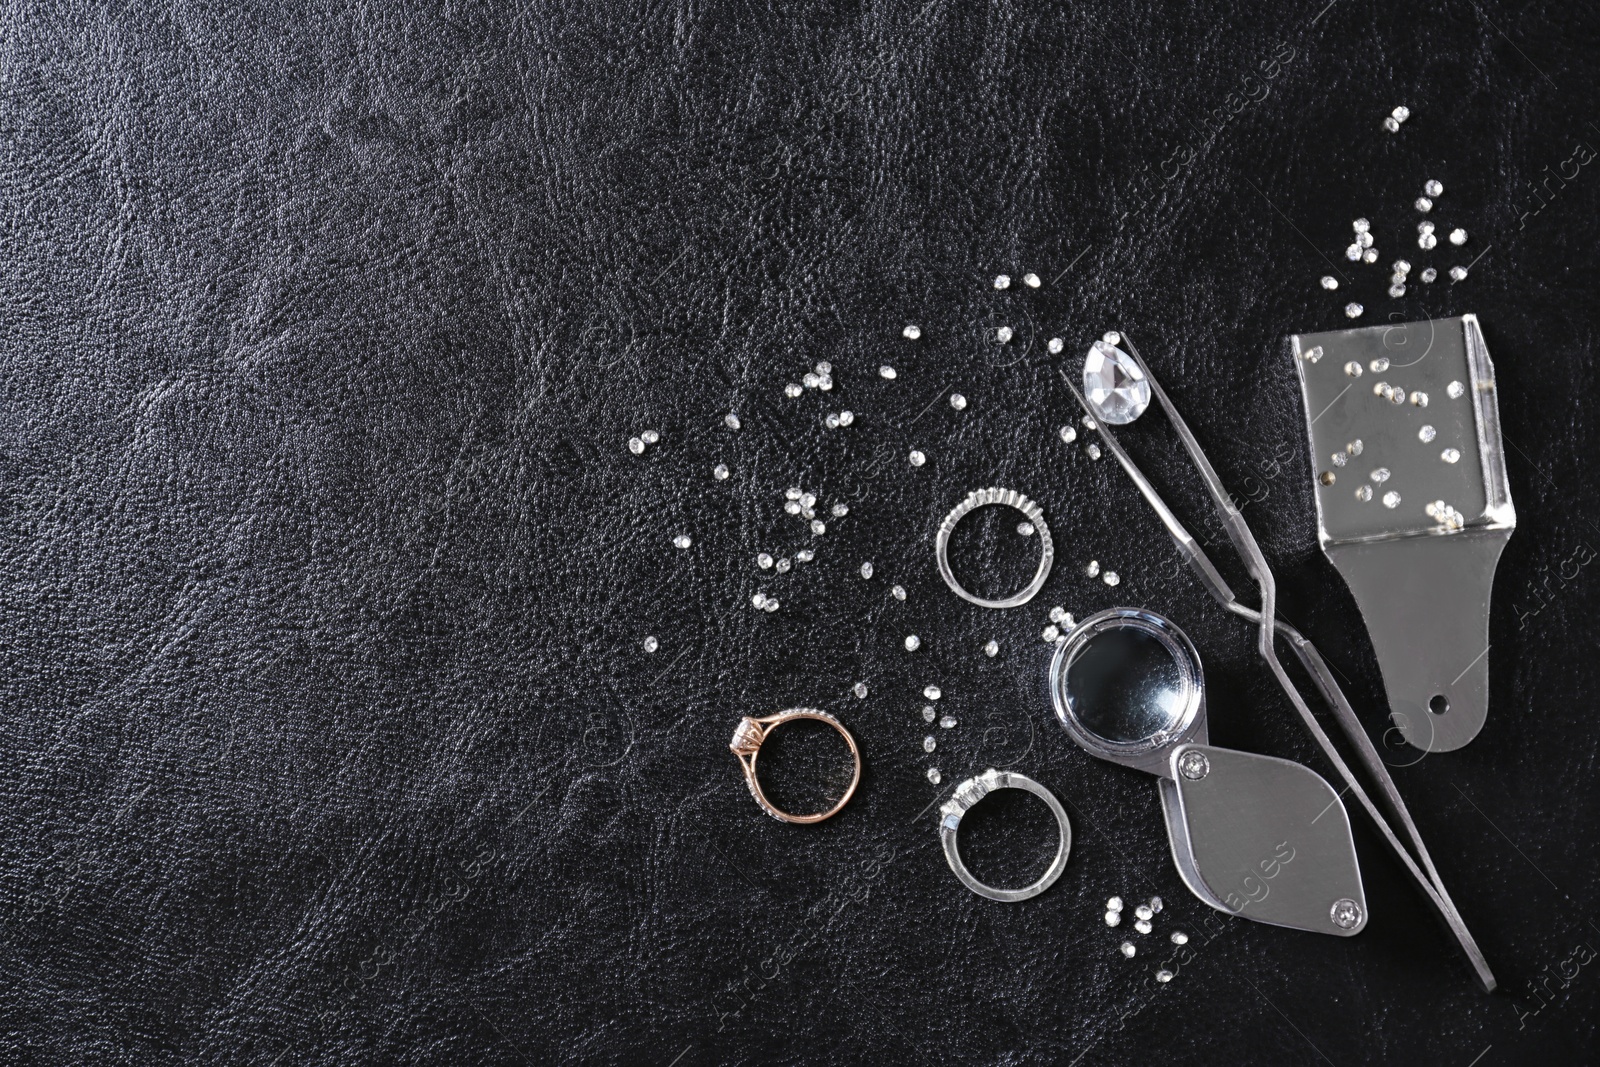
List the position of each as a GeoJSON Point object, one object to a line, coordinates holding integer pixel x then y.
{"type": "Point", "coordinates": [747, 739]}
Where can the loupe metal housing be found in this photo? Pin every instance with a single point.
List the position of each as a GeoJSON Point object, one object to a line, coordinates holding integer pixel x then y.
{"type": "Point", "coordinates": [1251, 835]}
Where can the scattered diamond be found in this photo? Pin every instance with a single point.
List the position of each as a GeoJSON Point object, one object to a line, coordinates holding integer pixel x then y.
{"type": "Point", "coordinates": [831, 421]}
{"type": "Point", "coordinates": [1093, 450]}
{"type": "Point", "coordinates": [1361, 226]}
{"type": "Point", "coordinates": [1003, 334]}
{"type": "Point", "coordinates": [1425, 227]}
{"type": "Point", "coordinates": [1088, 422]}
{"type": "Point", "coordinates": [1353, 369]}
{"type": "Point", "coordinates": [1179, 937]}
{"type": "Point", "coordinates": [886, 372]}
{"type": "Point", "coordinates": [929, 743]}
{"type": "Point", "coordinates": [846, 418]}
{"type": "Point", "coordinates": [1380, 475]}
{"type": "Point", "coordinates": [1370, 256]}
{"type": "Point", "coordinates": [1429, 275]}
{"type": "Point", "coordinates": [720, 472]}
{"type": "Point", "coordinates": [933, 692]}
{"type": "Point", "coordinates": [927, 713]}
{"type": "Point", "coordinates": [1110, 578]}
{"type": "Point", "coordinates": [1433, 188]}
{"type": "Point", "coordinates": [1128, 950]}
{"type": "Point", "coordinates": [1050, 634]}
{"type": "Point", "coordinates": [866, 570]}
{"type": "Point", "coordinates": [1427, 241]}
{"type": "Point", "coordinates": [1330, 282]}
{"type": "Point", "coordinates": [1423, 204]}
{"type": "Point", "coordinates": [792, 390]}
{"type": "Point", "coordinates": [1402, 266]}
{"type": "Point", "coordinates": [992, 649]}
{"type": "Point", "coordinates": [1093, 569]}
{"type": "Point", "coordinates": [759, 600]}
{"type": "Point", "coordinates": [1426, 434]}
{"type": "Point", "coordinates": [1450, 455]}
{"type": "Point", "coordinates": [1419, 398]}
{"type": "Point", "coordinates": [913, 642]}
{"type": "Point", "coordinates": [1163, 976]}
{"type": "Point", "coordinates": [1142, 925]}
{"type": "Point", "coordinates": [1156, 905]}
{"type": "Point", "coordinates": [899, 592]}
{"type": "Point", "coordinates": [1312, 355]}
{"type": "Point", "coordinates": [1458, 274]}
{"type": "Point", "coordinates": [1002, 281]}
{"type": "Point", "coordinates": [840, 510]}
{"type": "Point", "coordinates": [917, 458]}
{"type": "Point", "coordinates": [650, 437]}
{"type": "Point", "coordinates": [1391, 499]}
{"type": "Point", "coordinates": [1353, 253]}
{"type": "Point", "coordinates": [958, 401]}
{"type": "Point", "coordinates": [1339, 459]}
{"type": "Point", "coordinates": [1455, 390]}
{"type": "Point", "coordinates": [682, 541]}
{"type": "Point", "coordinates": [782, 566]}
{"type": "Point", "coordinates": [1143, 911]}
{"type": "Point", "coordinates": [651, 644]}
{"type": "Point", "coordinates": [911, 333]}
{"type": "Point", "coordinates": [805, 555]}
{"type": "Point", "coordinates": [819, 527]}
{"type": "Point", "coordinates": [1055, 345]}
{"type": "Point", "coordinates": [1397, 291]}
{"type": "Point", "coordinates": [1364, 238]}
{"type": "Point", "coordinates": [731, 421]}
{"type": "Point", "coordinates": [1353, 310]}
{"type": "Point", "coordinates": [1114, 904]}
{"type": "Point", "coordinates": [1401, 113]}
{"type": "Point", "coordinates": [1364, 493]}
{"type": "Point", "coordinates": [1355, 447]}
{"type": "Point", "coordinates": [771, 605]}
{"type": "Point", "coordinates": [947, 722]}
{"type": "Point", "coordinates": [1391, 124]}
{"type": "Point", "coordinates": [1113, 918]}
{"type": "Point", "coordinates": [764, 561]}
{"type": "Point", "coordinates": [811, 381]}
{"type": "Point", "coordinates": [635, 446]}
{"type": "Point", "coordinates": [1069, 434]}
{"type": "Point", "coordinates": [1379, 365]}
{"type": "Point", "coordinates": [1031, 281]}
{"type": "Point", "coordinates": [934, 776]}
{"type": "Point", "coordinates": [1458, 237]}
{"type": "Point", "coordinates": [860, 690]}
{"type": "Point", "coordinates": [1025, 529]}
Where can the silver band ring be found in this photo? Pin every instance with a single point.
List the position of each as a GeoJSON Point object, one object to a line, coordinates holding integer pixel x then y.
{"type": "Point", "coordinates": [969, 793]}
{"type": "Point", "coordinates": [1008, 498]}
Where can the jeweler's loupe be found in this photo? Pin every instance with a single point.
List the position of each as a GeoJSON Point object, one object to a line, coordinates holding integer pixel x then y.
{"type": "Point", "coordinates": [1251, 835]}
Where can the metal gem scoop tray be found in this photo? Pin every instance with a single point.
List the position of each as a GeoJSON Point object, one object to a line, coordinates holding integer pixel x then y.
{"type": "Point", "coordinates": [1413, 508]}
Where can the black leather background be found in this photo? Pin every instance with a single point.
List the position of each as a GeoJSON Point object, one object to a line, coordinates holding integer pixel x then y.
{"type": "Point", "coordinates": [328, 732]}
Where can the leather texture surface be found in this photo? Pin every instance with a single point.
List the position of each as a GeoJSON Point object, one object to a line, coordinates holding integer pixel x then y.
{"type": "Point", "coordinates": [329, 733]}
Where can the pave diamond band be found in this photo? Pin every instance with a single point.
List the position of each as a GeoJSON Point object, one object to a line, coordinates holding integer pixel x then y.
{"type": "Point", "coordinates": [1006, 498]}
{"type": "Point", "coordinates": [969, 793]}
{"type": "Point", "coordinates": [746, 745]}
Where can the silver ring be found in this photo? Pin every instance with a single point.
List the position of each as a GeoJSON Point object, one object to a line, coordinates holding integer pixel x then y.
{"type": "Point", "coordinates": [969, 793]}
{"type": "Point", "coordinates": [1008, 498]}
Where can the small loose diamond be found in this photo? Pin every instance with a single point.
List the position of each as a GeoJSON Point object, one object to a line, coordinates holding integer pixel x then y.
{"type": "Point", "coordinates": [1426, 434]}
{"type": "Point", "coordinates": [840, 510]}
{"type": "Point", "coordinates": [1364, 238]}
{"type": "Point", "coordinates": [825, 383]}
{"type": "Point", "coordinates": [759, 601]}
{"type": "Point", "coordinates": [1355, 447]}
{"type": "Point", "coordinates": [958, 401]}
{"type": "Point", "coordinates": [793, 493]}
{"type": "Point", "coordinates": [1003, 334]}
{"type": "Point", "coordinates": [1193, 765]}
{"type": "Point", "coordinates": [1361, 226]}
{"type": "Point", "coordinates": [1458, 274]}
{"type": "Point", "coordinates": [1110, 578]}
{"type": "Point", "coordinates": [1370, 256]}
{"type": "Point", "coordinates": [1423, 204]}
{"type": "Point", "coordinates": [927, 713]}
{"type": "Point", "coordinates": [635, 446]}
{"type": "Point", "coordinates": [947, 722]}
{"type": "Point", "coordinates": [1458, 237]}
{"type": "Point", "coordinates": [1364, 493]}
{"type": "Point", "coordinates": [1400, 114]}
{"type": "Point", "coordinates": [992, 649]}
{"type": "Point", "coordinates": [720, 472]}
{"type": "Point", "coordinates": [1143, 912]}
{"type": "Point", "coordinates": [1050, 634]}
{"type": "Point", "coordinates": [1128, 949]}
{"type": "Point", "coordinates": [1433, 188]}
{"type": "Point", "coordinates": [819, 527]}
{"type": "Point", "coordinates": [1379, 365]}
{"type": "Point", "coordinates": [846, 418]}
{"type": "Point", "coordinates": [824, 368]}
{"type": "Point", "coordinates": [1380, 475]}
{"type": "Point", "coordinates": [1142, 925]}
{"type": "Point", "coordinates": [792, 390]}
{"type": "Point", "coordinates": [887, 372]}
{"type": "Point", "coordinates": [764, 561]}
{"type": "Point", "coordinates": [1419, 398]}
{"type": "Point", "coordinates": [650, 437]}
{"type": "Point", "coordinates": [1391, 124]}
{"type": "Point", "coordinates": [913, 642]}
{"type": "Point", "coordinates": [1312, 355]}
{"type": "Point", "coordinates": [1069, 434]}
{"type": "Point", "coordinates": [771, 605]}
{"type": "Point", "coordinates": [1346, 913]}
{"type": "Point", "coordinates": [1339, 459]}
{"type": "Point", "coordinates": [811, 381]}
{"type": "Point", "coordinates": [782, 566]}
{"type": "Point", "coordinates": [1163, 975]}
{"type": "Point", "coordinates": [1353, 253]}
{"type": "Point", "coordinates": [1402, 266]}
{"type": "Point", "coordinates": [1025, 529]}
{"type": "Point", "coordinates": [1088, 422]}
{"type": "Point", "coordinates": [866, 570]}
{"type": "Point", "coordinates": [1113, 918]}
{"type": "Point", "coordinates": [1156, 905]}
{"type": "Point", "coordinates": [805, 555]}
{"type": "Point", "coordinates": [831, 421]}
{"type": "Point", "coordinates": [1179, 937]}
{"type": "Point", "coordinates": [860, 690]}
{"type": "Point", "coordinates": [1397, 291]}
{"type": "Point", "coordinates": [1427, 241]}
{"type": "Point", "coordinates": [1002, 281]}
{"type": "Point", "coordinates": [1429, 275]}
{"type": "Point", "coordinates": [1093, 568]}
{"type": "Point", "coordinates": [899, 592]}
{"type": "Point", "coordinates": [1330, 282]}
{"type": "Point", "coordinates": [1353, 310]}
{"type": "Point", "coordinates": [1450, 455]}
{"type": "Point", "coordinates": [1353, 369]}
{"type": "Point", "coordinates": [1391, 499]}
{"type": "Point", "coordinates": [682, 541]}
{"type": "Point", "coordinates": [911, 333]}
{"type": "Point", "coordinates": [1114, 904]}
{"type": "Point", "coordinates": [1425, 227]}
{"type": "Point", "coordinates": [651, 644]}
{"type": "Point", "coordinates": [934, 776]}
{"type": "Point", "coordinates": [731, 421]}
{"type": "Point", "coordinates": [1455, 390]}
{"type": "Point", "coordinates": [1092, 451]}
{"type": "Point", "coordinates": [917, 458]}
{"type": "Point", "coordinates": [1031, 281]}
{"type": "Point", "coordinates": [933, 692]}
{"type": "Point", "coordinates": [929, 744]}
{"type": "Point", "coordinates": [1055, 345]}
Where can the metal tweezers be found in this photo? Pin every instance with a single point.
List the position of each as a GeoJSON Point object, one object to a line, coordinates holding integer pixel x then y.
{"type": "Point", "coordinates": [1266, 619]}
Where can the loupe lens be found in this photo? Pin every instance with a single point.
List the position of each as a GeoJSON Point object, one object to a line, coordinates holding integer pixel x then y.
{"type": "Point", "coordinates": [1124, 685]}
